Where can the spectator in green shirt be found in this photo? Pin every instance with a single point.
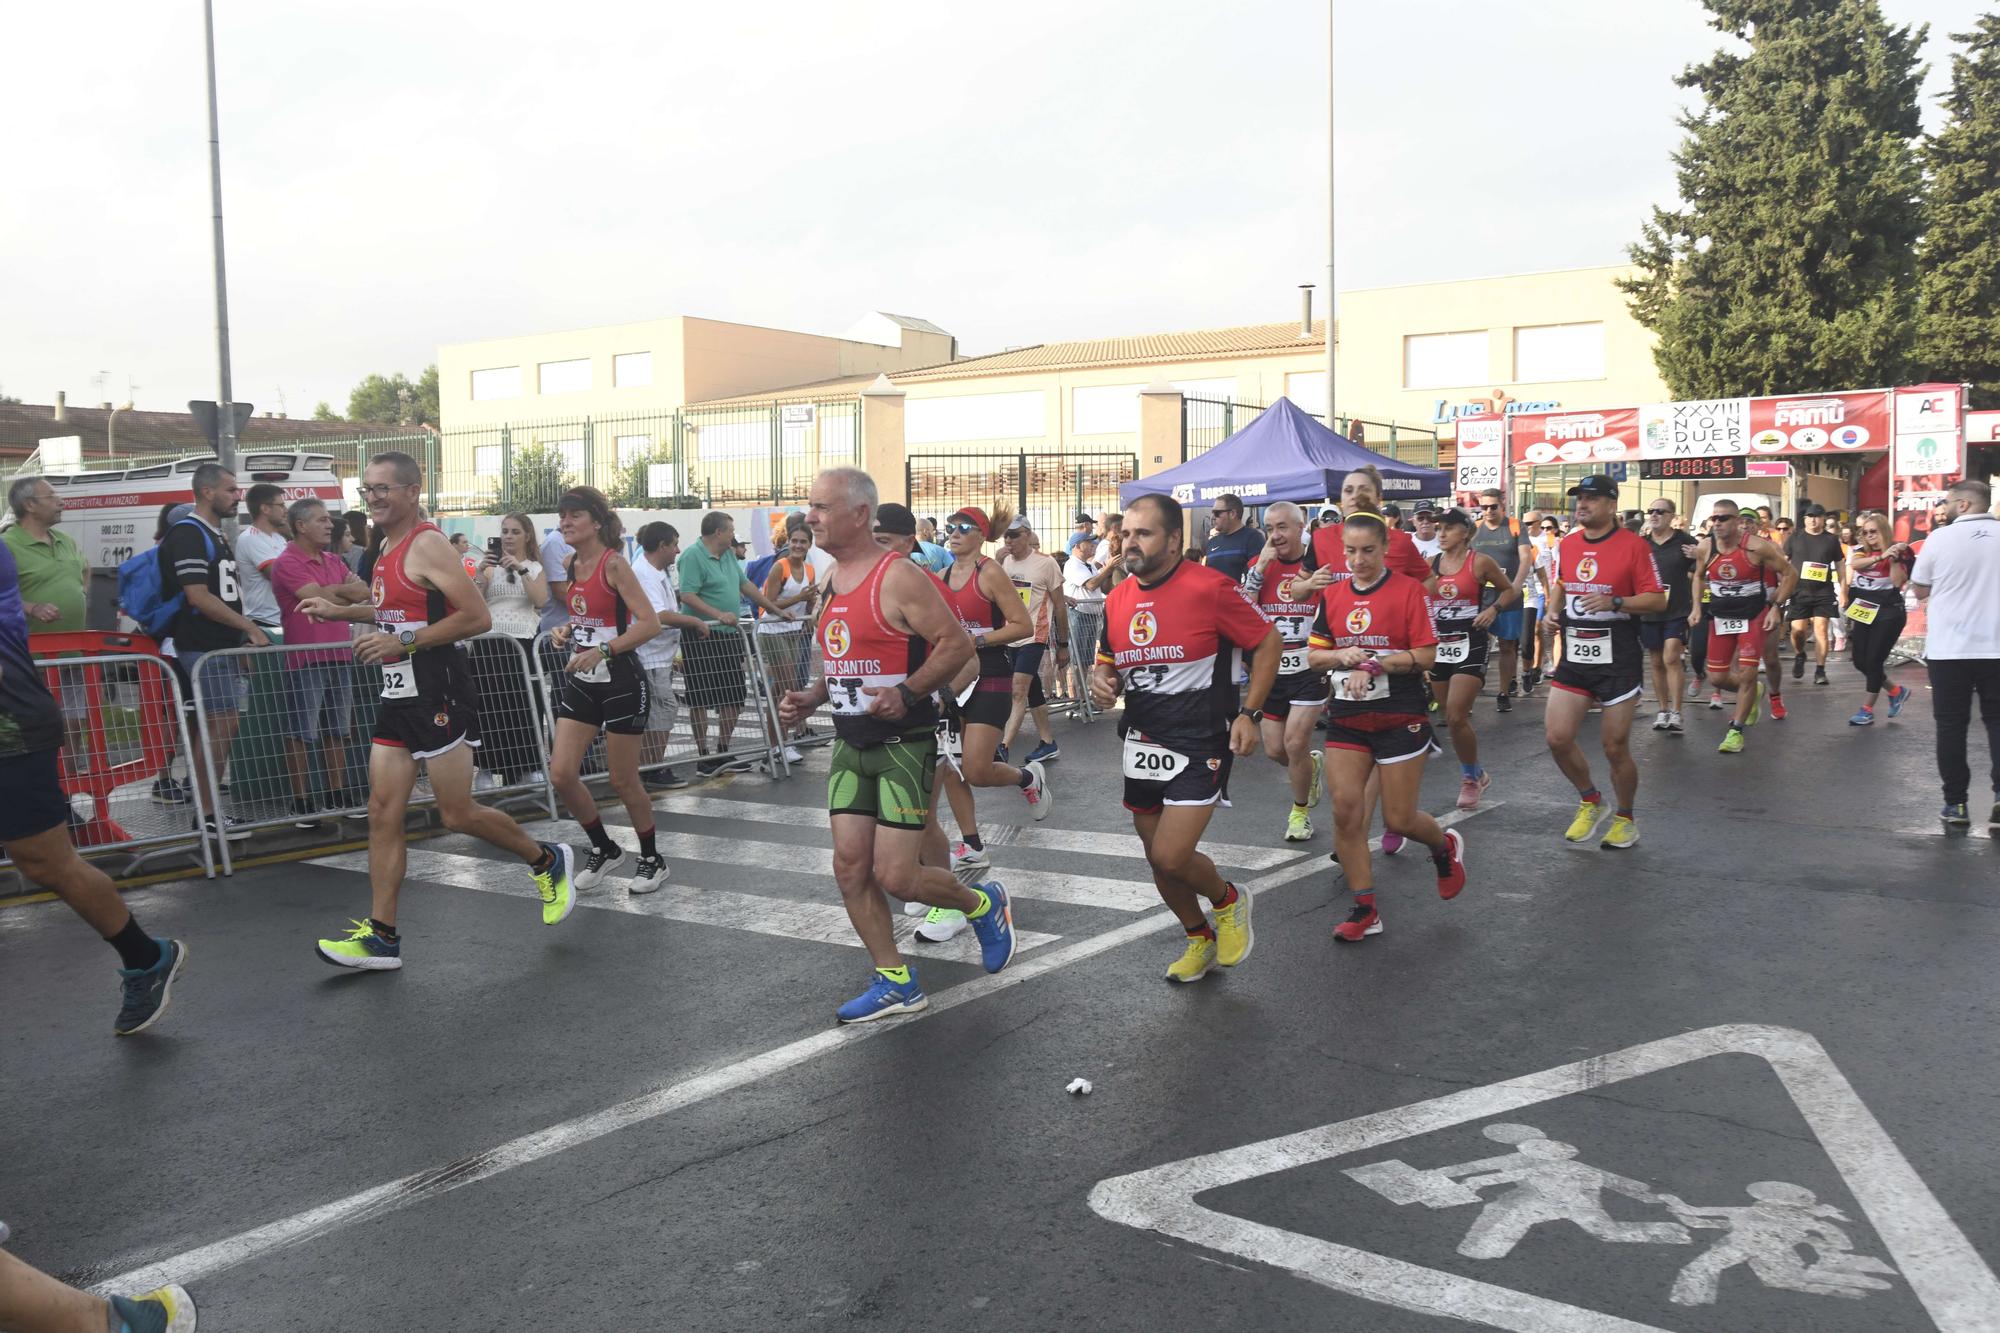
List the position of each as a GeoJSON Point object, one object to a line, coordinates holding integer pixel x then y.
{"type": "Point", "coordinates": [711, 587]}
{"type": "Point", "coordinates": [53, 572]}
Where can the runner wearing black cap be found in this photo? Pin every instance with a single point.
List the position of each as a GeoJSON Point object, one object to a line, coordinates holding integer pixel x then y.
{"type": "Point", "coordinates": [1605, 580]}
{"type": "Point", "coordinates": [1468, 592]}
{"type": "Point", "coordinates": [1816, 554]}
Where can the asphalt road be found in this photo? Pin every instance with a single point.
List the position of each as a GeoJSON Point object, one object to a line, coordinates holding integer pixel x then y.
{"type": "Point", "coordinates": [646, 1118]}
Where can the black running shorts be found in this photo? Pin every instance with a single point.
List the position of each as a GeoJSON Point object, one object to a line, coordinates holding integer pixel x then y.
{"type": "Point", "coordinates": [620, 705]}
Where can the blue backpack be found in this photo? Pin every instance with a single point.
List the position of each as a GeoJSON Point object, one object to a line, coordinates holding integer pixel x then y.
{"type": "Point", "coordinates": [140, 586]}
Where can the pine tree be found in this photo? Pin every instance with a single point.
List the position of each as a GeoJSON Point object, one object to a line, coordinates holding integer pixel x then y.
{"type": "Point", "coordinates": [1959, 323]}
{"type": "Point", "coordinates": [1790, 264]}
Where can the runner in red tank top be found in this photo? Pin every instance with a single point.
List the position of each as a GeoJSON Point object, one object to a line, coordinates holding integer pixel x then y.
{"type": "Point", "coordinates": [1740, 583]}
{"type": "Point", "coordinates": [428, 710]}
{"type": "Point", "coordinates": [1280, 582]}
{"type": "Point", "coordinates": [888, 643]}
{"type": "Point", "coordinates": [602, 688]}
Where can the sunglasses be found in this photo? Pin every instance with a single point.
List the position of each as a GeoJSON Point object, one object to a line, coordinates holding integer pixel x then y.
{"type": "Point", "coordinates": [1659, 511]}
{"type": "Point", "coordinates": [1549, 527]}
{"type": "Point", "coordinates": [1489, 506]}
{"type": "Point", "coordinates": [955, 529]}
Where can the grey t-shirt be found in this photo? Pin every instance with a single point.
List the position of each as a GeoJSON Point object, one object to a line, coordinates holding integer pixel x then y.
{"type": "Point", "coordinates": [1503, 544]}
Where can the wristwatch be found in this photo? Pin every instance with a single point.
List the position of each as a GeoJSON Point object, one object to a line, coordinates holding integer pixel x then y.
{"type": "Point", "coordinates": [407, 638]}
{"type": "Point", "coordinates": [1371, 666]}
{"type": "Point", "coordinates": [910, 696]}
{"type": "Point", "coordinates": [1254, 714]}
{"type": "Point", "coordinates": [1617, 603]}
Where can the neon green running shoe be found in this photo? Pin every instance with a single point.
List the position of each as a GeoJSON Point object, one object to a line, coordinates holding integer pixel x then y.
{"type": "Point", "coordinates": [1732, 742]}
{"type": "Point", "coordinates": [1297, 827]}
{"type": "Point", "coordinates": [1756, 706]}
{"type": "Point", "coordinates": [556, 884]}
{"type": "Point", "coordinates": [363, 950]}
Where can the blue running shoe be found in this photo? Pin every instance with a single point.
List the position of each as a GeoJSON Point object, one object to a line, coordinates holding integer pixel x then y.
{"type": "Point", "coordinates": [1000, 753]}
{"type": "Point", "coordinates": [1862, 718]}
{"type": "Point", "coordinates": [995, 927]}
{"type": "Point", "coordinates": [1955, 815]}
{"type": "Point", "coordinates": [883, 998]}
{"type": "Point", "coordinates": [1898, 696]}
{"type": "Point", "coordinates": [1046, 750]}
{"type": "Point", "coordinates": [148, 991]}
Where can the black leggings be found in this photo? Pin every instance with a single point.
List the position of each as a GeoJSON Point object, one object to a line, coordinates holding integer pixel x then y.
{"type": "Point", "coordinates": [1870, 645]}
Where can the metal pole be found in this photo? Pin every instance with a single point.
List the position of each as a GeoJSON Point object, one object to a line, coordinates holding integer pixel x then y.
{"type": "Point", "coordinates": [225, 411]}
{"type": "Point", "coordinates": [1332, 291]}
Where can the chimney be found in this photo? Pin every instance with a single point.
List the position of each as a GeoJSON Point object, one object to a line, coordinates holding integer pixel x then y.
{"type": "Point", "coordinates": [104, 407]}
{"type": "Point", "coordinates": [62, 410]}
{"type": "Point", "coordinates": [1305, 310]}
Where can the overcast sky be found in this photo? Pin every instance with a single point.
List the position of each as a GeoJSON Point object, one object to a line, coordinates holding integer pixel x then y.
{"type": "Point", "coordinates": [401, 173]}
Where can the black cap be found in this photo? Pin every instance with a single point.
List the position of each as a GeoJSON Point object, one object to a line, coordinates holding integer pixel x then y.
{"type": "Point", "coordinates": [1596, 484]}
{"type": "Point", "coordinates": [1424, 507]}
{"type": "Point", "coordinates": [1815, 511]}
{"type": "Point", "coordinates": [1455, 518]}
{"type": "Point", "coordinates": [1392, 511]}
{"type": "Point", "coordinates": [895, 519]}
{"type": "Point", "coordinates": [1082, 517]}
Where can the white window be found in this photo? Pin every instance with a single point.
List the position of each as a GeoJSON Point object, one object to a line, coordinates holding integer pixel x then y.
{"type": "Point", "coordinates": [1104, 409]}
{"type": "Point", "coordinates": [1444, 360]}
{"type": "Point", "coordinates": [499, 382]}
{"type": "Point", "coordinates": [1553, 352]}
{"type": "Point", "coordinates": [572, 457]}
{"type": "Point", "coordinates": [631, 370]}
{"type": "Point", "coordinates": [486, 460]}
{"type": "Point", "coordinates": [976, 416]}
{"type": "Point", "coordinates": [632, 448]}
{"type": "Point", "coordinates": [722, 441]}
{"type": "Point", "coordinates": [1307, 390]}
{"type": "Point", "coordinates": [565, 376]}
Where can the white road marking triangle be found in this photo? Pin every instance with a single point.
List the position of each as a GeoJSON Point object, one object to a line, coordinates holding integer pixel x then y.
{"type": "Point", "coordinates": [1942, 1268]}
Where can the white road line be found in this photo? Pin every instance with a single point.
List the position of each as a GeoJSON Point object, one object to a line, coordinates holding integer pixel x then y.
{"type": "Point", "coordinates": [380, 1200]}
{"type": "Point", "coordinates": [1032, 836]}
{"type": "Point", "coordinates": [816, 923]}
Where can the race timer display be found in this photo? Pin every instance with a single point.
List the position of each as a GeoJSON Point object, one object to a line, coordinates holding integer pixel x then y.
{"type": "Point", "coordinates": [1719, 467]}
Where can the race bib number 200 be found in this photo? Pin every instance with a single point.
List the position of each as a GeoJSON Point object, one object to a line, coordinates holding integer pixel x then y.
{"type": "Point", "coordinates": [1147, 762]}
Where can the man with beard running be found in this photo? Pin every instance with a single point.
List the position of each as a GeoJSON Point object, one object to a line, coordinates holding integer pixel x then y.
{"type": "Point", "coordinates": [1822, 587]}
{"type": "Point", "coordinates": [423, 606]}
{"type": "Point", "coordinates": [1279, 581]}
{"type": "Point", "coordinates": [1735, 570]}
{"type": "Point", "coordinates": [1169, 635]}
{"type": "Point", "coordinates": [888, 642]}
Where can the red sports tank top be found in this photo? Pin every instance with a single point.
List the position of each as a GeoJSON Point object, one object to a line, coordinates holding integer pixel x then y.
{"type": "Point", "coordinates": [860, 653]}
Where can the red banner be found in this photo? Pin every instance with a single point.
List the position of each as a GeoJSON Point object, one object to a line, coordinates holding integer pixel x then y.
{"type": "Point", "coordinates": [1820, 423]}
{"type": "Point", "coordinates": [1542, 438]}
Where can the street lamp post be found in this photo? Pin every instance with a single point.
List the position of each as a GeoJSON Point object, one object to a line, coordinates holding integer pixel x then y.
{"type": "Point", "coordinates": [111, 430]}
{"type": "Point", "coordinates": [225, 411]}
{"type": "Point", "coordinates": [1332, 291]}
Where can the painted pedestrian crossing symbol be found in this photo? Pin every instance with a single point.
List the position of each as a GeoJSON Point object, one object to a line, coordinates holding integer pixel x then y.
{"type": "Point", "coordinates": [1545, 1184]}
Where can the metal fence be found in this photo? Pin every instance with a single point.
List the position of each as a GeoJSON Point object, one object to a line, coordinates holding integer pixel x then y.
{"type": "Point", "coordinates": [1046, 488]}
{"type": "Point", "coordinates": [1207, 422]}
{"type": "Point", "coordinates": [1405, 444]}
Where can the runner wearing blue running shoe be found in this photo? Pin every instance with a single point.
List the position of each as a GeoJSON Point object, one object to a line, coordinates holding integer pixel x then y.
{"type": "Point", "coordinates": [888, 642]}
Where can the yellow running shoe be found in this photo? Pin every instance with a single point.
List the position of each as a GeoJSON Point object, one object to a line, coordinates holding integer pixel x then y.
{"type": "Point", "coordinates": [556, 885]}
{"type": "Point", "coordinates": [1588, 815]}
{"type": "Point", "coordinates": [1318, 779]}
{"type": "Point", "coordinates": [1732, 742]}
{"type": "Point", "coordinates": [165, 1309]}
{"type": "Point", "coordinates": [1622, 834]}
{"type": "Point", "coordinates": [1756, 706]}
{"type": "Point", "coordinates": [1194, 964]}
{"type": "Point", "coordinates": [1233, 936]}
{"type": "Point", "coordinates": [1297, 827]}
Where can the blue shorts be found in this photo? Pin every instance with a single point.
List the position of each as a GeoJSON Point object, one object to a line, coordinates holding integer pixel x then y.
{"type": "Point", "coordinates": [320, 692]}
{"type": "Point", "coordinates": [1653, 634]}
{"type": "Point", "coordinates": [225, 681]}
{"type": "Point", "coordinates": [1027, 658]}
{"type": "Point", "coordinates": [35, 800]}
{"type": "Point", "coordinates": [1506, 624]}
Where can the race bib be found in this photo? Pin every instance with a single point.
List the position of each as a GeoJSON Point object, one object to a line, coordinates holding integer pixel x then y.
{"type": "Point", "coordinates": [1815, 572]}
{"type": "Point", "coordinates": [1292, 661]}
{"type": "Point", "coordinates": [582, 638]}
{"type": "Point", "coordinates": [1378, 686]}
{"type": "Point", "coordinates": [1147, 762]}
{"type": "Point", "coordinates": [1453, 649]}
{"type": "Point", "coordinates": [1729, 627]}
{"type": "Point", "coordinates": [1587, 647]}
{"type": "Point", "coordinates": [399, 679]}
{"type": "Point", "coordinates": [1862, 613]}
{"type": "Point", "coordinates": [844, 696]}
{"type": "Point", "coordinates": [1293, 629]}
{"type": "Point", "coordinates": [951, 743]}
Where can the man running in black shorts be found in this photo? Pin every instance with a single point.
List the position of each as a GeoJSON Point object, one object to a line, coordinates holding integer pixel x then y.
{"type": "Point", "coordinates": [423, 605]}
{"type": "Point", "coordinates": [1664, 633]}
{"type": "Point", "coordinates": [1281, 582]}
{"type": "Point", "coordinates": [1816, 554]}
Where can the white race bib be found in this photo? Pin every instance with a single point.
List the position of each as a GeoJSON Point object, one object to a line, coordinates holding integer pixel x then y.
{"type": "Point", "coordinates": [582, 638]}
{"type": "Point", "coordinates": [951, 743]}
{"type": "Point", "coordinates": [1293, 629]}
{"type": "Point", "coordinates": [399, 679]}
{"type": "Point", "coordinates": [1378, 686]}
{"type": "Point", "coordinates": [1815, 572]}
{"type": "Point", "coordinates": [1453, 649]}
{"type": "Point", "coordinates": [1148, 762]}
{"type": "Point", "coordinates": [1729, 627]}
{"type": "Point", "coordinates": [1292, 661]}
{"type": "Point", "coordinates": [1587, 647]}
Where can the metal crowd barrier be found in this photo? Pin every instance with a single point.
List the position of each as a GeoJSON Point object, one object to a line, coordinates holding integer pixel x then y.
{"type": "Point", "coordinates": [124, 727]}
{"type": "Point", "coordinates": [1085, 627]}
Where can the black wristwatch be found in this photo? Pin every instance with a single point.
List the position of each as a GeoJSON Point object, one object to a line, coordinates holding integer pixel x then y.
{"type": "Point", "coordinates": [1617, 603]}
{"type": "Point", "coordinates": [1254, 714]}
{"type": "Point", "coordinates": [910, 696]}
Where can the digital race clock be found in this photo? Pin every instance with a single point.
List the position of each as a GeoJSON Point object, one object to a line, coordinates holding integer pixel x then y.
{"type": "Point", "coordinates": [1715, 467]}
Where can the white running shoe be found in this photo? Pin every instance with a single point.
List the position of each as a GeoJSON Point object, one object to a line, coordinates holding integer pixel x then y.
{"type": "Point", "coordinates": [597, 865]}
{"type": "Point", "coordinates": [792, 755]}
{"type": "Point", "coordinates": [649, 874]}
{"type": "Point", "coordinates": [940, 924]}
{"type": "Point", "coordinates": [967, 866]}
{"type": "Point", "coordinates": [1660, 720]}
{"type": "Point", "coordinates": [1040, 799]}
{"type": "Point", "coordinates": [915, 908]}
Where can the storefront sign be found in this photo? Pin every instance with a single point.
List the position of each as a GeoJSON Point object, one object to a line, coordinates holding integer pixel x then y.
{"type": "Point", "coordinates": [1482, 452]}
{"type": "Point", "coordinates": [1444, 411]}
{"type": "Point", "coordinates": [1539, 438]}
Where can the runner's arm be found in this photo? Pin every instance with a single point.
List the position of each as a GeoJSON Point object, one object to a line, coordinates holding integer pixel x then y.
{"type": "Point", "coordinates": [436, 560]}
{"type": "Point", "coordinates": [645, 622]}
{"type": "Point", "coordinates": [999, 590]}
{"type": "Point", "coordinates": [1700, 584]}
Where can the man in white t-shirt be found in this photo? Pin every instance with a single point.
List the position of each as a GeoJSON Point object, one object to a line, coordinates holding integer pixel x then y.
{"type": "Point", "coordinates": [1958, 577]}
{"type": "Point", "coordinates": [1426, 534]}
{"type": "Point", "coordinates": [659, 548]}
{"type": "Point", "coordinates": [258, 547]}
{"type": "Point", "coordinates": [1038, 579]}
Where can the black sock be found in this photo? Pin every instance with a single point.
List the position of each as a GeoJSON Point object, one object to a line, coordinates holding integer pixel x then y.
{"type": "Point", "coordinates": [388, 933]}
{"type": "Point", "coordinates": [599, 839]}
{"type": "Point", "coordinates": [136, 949]}
{"type": "Point", "coordinates": [544, 860]}
{"type": "Point", "coordinates": [1027, 779]}
{"type": "Point", "coordinates": [972, 840]}
{"type": "Point", "coordinates": [646, 847]}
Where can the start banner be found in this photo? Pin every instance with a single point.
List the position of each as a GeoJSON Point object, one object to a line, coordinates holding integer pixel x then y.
{"type": "Point", "coordinates": [1705, 428]}
{"type": "Point", "coordinates": [1820, 423]}
{"type": "Point", "coordinates": [1540, 438]}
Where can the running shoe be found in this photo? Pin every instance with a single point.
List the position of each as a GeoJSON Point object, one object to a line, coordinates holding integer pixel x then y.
{"type": "Point", "coordinates": [1674, 723]}
{"type": "Point", "coordinates": [1471, 789]}
{"type": "Point", "coordinates": [1000, 753]}
{"type": "Point", "coordinates": [1777, 708]}
{"type": "Point", "coordinates": [1898, 696]}
{"type": "Point", "coordinates": [1451, 865]}
{"type": "Point", "coordinates": [1956, 815]}
{"type": "Point", "coordinates": [1660, 720]}
{"type": "Point", "coordinates": [1715, 699]}
{"type": "Point", "coordinates": [667, 779]}
{"type": "Point", "coordinates": [162, 1310]}
{"type": "Point", "coordinates": [149, 990]}
{"type": "Point", "coordinates": [1622, 834]}
{"type": "Point", "coordinates": [793, 755]}
{"type": "Point", "coordinates": [1799, 667]}
{"type": "Point", "coordinates": [1360, 924]}
{"type": "Point", "coordinates": [1318, 779]}
{"type": "Point", "coordinates": [940, 924]}
{"type": "Point", "coordinates": [968, 865]}
{"type": "Point", "coordinates": [1863, 717]}
{"type": "Point", "coordinates": [1589, 814]}
{"type": "Point", "coordinates": [1234, 937]}
{"type": "Point", "coordinates": [1505, 703]}
{"type": "Point", "coordinates": [1040, 799]}
{"type": "Point", "coordinates": [557, 884]}
{"type": "Point", "coordinates": [302, 815]}
{"type": "Point", "coordinates": [1732, 741]}
{"type": "Point", "coordinates": [1529, 679]}
{"type": "Point", "coordinates": [1298, 828]}
{"type": "Point", "coordinates": [1756, 703]}
{"type": "Point", "coordinates": [597, 865]}
{"type": "Point", "coordinates": [1819, 676]}
{"type": "Point", "coordinates": [648, 874]}
{"type": "Point", "coordinates": [1195, 963]}
{"type": "Point", "coordinates": [1045, 751]}
{"type": "Point", "coordinates": [1993, 816]}
{"type": "Point", "coordinates": [1391, 843]}
{"type": "Point", "coordinates": [995, 927]}
{"type": "Point", "coordinates": [232, 828]}
{"type": "Point", "coordinates": [883, 998]}
{"type": "Point", "coordinates": [911, 907]}
{"type": "Point", "coordinates": [363, 950]}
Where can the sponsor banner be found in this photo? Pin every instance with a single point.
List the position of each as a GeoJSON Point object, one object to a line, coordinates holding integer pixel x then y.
{"type": "Point", "coordinates": [1482, 453]}
{"type": "Point", "coordinates": [1701, 428]}
{"type": "Point", "coordinates": [1982, 427]}
{"type": "Point", "coordinates": [1936, 453]}
{"type": "Point", "coordinates": [1254, 490]}
{"type": "Point", "coordinates": [1927, 409]}
{"type": "Point", "coordinates": [1582, 438]}
{"type": "Point", "coordinates": [1820, 423]}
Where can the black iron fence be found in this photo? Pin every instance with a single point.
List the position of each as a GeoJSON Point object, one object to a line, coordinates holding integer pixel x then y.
{"type": "Point", "coordinates": [1207, 422]}
{"type": "Point", "coordinates": [1049, 488]}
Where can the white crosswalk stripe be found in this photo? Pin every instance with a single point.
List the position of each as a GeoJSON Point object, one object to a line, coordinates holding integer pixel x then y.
{"type": "Point", "coordinates": [821, 923]}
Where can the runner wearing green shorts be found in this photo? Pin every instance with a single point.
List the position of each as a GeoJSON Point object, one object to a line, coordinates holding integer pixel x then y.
{"type": "Point", "coordinates": [890, 783]}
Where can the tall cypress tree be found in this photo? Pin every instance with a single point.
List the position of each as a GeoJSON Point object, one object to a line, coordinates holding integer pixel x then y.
{"type": "Point", "coordinates": [1790, 264]}
{"type": "Point", "coordinates": [1959, 324]}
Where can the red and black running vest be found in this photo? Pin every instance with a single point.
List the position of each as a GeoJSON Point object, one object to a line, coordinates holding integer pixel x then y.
{"type": "Point", "coordinates": [402, 607]}
{"type": "Point", "coordinates": [859, 653]}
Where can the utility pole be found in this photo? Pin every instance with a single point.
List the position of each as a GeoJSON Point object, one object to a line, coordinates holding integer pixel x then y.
{"type": "Point", "coordinates": [1332, 291]}
{"type": "Point", "coordinates": [225, 416]}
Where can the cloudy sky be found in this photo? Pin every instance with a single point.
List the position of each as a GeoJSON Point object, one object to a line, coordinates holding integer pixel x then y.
{"type": "Point", "coordinates": [401, 173]}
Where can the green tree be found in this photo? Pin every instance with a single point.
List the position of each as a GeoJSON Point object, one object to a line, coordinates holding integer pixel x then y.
{"type": "Point", "coordinates": [393, 398]}
{"type": "Point", "coordinates": [538, 476]}
{"type": "Point", "coordinates": [323, 411]}
{"type": "Point", "coordinates": [1790, 264]}
{"type": "Point", "coordinates": [427, 396]}
{"type": "Point", "coordinates": [1958, 336]}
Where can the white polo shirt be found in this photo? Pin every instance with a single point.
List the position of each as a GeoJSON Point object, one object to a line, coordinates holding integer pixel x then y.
{"type": "Point", "coordinates": [1960, 563]}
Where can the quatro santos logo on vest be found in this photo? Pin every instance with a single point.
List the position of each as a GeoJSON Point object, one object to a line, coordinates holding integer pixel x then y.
{"type": "Point", "coordinates": [1586, 569]}
{"type": "Point", "coordinates": [837, 641]}
{"type": "Point", "coordinates": [1143, 628]}
{"type": "Point", "coordinates": [1359, 619]}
